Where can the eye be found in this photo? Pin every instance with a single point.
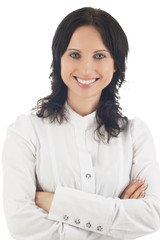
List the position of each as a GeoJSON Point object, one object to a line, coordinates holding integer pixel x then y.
{"type": "Point", "coordinates": [74, 55]}
{"type": "Point", "coordinates": [99, 56]}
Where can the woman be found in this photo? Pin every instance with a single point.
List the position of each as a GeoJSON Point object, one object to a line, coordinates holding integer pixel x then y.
{"type": "Point", "coordinates": [78, 168]}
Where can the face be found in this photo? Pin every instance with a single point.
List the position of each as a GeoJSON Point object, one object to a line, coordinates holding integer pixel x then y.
{"type": "Point", "coordinates": [86, 66]}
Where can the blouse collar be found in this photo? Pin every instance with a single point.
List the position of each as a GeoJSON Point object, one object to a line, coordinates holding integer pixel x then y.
{"type": "Point", "coordinates": [82, 122]}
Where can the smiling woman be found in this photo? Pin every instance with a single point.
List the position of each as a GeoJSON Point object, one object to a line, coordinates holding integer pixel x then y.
{"type": "Point", "coordinates": [76, 168]}
{"type": "Point", "coordinates": [89, 44]}
{"type": "Point", "coordinates": [85, 70]}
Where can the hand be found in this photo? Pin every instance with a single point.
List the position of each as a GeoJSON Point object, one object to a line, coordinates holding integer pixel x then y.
{"type": "Point", "coordinates": [134, 190]}
{"type": "Point", "coordinates": [44, 200]}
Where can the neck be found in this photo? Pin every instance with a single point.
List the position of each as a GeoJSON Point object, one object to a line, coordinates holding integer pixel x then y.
{"type": "Point", "coordinates": [83, 106]}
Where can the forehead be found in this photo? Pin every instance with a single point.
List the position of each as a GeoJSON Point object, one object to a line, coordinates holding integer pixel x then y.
{"type": "Point", "coordinates": [86, 37]}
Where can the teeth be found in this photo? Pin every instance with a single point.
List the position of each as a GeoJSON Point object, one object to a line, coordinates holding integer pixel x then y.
{"type": "Point", "coordinates": [85, 81]}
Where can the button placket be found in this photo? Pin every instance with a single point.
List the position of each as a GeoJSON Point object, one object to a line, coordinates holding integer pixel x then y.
{"type": "Point", "coordinates": [80, 139]}
{"type": "Point", "coordinates": [87, 173]}
{"type": "Point", "coordinates": [85, 159]}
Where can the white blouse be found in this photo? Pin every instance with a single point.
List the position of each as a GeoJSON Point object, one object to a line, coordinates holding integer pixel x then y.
{"type": "Point", "coordinates": [86, 176]}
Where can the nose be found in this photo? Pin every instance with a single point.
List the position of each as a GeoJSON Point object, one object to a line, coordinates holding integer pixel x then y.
{"type": "Point", "coordinates": [86, 67]}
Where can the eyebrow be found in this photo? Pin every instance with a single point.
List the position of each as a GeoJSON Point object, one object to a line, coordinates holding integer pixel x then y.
{"type": "Point", "coordinates": [100, 50]}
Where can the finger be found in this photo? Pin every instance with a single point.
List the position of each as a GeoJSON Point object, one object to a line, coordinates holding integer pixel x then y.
{"type": "Point", "coordinates": [142, 195]}
{"type": "Point", "coordinates": [132, 187]}
{"type": "Point", "coordinates": [137, 193]}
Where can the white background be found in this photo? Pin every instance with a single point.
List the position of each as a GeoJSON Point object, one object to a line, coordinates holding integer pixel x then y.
{"type": "Point", "coordinates": [26, 31]}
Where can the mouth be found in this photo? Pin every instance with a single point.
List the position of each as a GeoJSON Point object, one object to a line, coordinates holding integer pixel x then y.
{"type": "Point", "coordinates": [86, 81]}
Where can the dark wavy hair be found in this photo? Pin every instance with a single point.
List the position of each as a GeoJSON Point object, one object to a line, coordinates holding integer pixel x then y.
{"type": "Point", "coordinates": [108, 113]}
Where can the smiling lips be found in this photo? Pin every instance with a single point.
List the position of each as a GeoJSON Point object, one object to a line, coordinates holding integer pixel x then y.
{"type": "Point", "coordinates": [86, 81]}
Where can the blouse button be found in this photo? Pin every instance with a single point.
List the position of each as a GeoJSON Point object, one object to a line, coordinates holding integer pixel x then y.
{"type": "Point", "coordinates": [99, 228]}
{"type": "Point", "coordinates": [88, 225]}
{"type": "Point", "coordinates": [88, 175]}
{"type": "Point", "coordinates": [65, 217]}
{"type": "Point", "coordinates": [77, 221]}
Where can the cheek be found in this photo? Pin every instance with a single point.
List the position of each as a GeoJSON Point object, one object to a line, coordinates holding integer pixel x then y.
{"type": "Point", "coordinates": [108, 71]}
{"type": "Point", "coordinates": [63, 71]}
{"type": "Point", "coordinates": [66, 69]}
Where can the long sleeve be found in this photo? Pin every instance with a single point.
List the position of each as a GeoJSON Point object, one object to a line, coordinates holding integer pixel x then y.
{"type": "Point", "coordinates": [86, 204]}
{"type": "Point", "coordinates": [25, 220]}
{"type": "Point", "coordinates": [114, 217]}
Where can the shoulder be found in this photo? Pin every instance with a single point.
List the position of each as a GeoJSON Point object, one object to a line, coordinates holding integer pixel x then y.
{"type": "Point", "coordinates": [137, 125]}
{"type": "Point", "coordinates": [25, 125]}
{"type": "Point", "coordinates": [28, 121]}
{"type": "Point", "coordinates": [139, 130]}
{"type": "Point", "coordinates": [23, 122]}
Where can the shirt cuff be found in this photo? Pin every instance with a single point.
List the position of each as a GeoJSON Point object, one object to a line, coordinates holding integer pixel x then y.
{"type": "Point", "coordinates": [82, 209]}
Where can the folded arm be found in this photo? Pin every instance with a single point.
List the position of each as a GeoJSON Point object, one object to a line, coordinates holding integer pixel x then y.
{"type": "Point", "coordinates": [25, 220]}
{"type": "Point", "coordinates": [135, 190]}
{"type": "Point", "coordinates": [119, 218]}
{"type": "Point", "coordinates": [115, 217]}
